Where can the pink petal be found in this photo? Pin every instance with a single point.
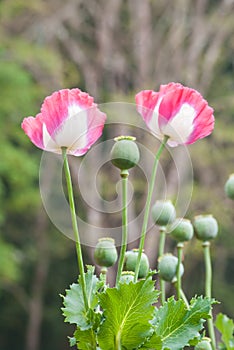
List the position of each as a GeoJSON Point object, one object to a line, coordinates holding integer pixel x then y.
{"type": "Point", "coordinates": [172, 101]}
{"type": "Point", "coordinates": [68, 118]}
{"type": "Point", "coordinates": [171, 104]}
{"type": "Point", "coordinates": [165, 89]}
{"type": "Point", "coordinates": [33, 128]}
{"type": "Point", "coordinates": [176, 111]}
{"type": "Point", "coordinates": [55, 107]}
{"type": "Point", "coordinates": [203, 123]}
{"type": "Point", "coordinates": [146, 101]}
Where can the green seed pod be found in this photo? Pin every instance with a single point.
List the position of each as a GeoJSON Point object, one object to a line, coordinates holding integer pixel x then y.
{"type": "Point", "coordinates": [105, 253]}
{"type": "Point", "coordinates": [205, 227]}
{"type": "Point", "coordinates": [127, 277]}
{"type": "Point", "coordinates": [229, 187]}
{"type": "Point", "coordinates": [181, 230]}
{"type": "Point", "coordinates": [163, 212]}
{"type": "Point", "coordinates": [167, 265]}
{"type": "Point", "coordinates": [130, 262]}
{"type": "Point", "coordinates": [125, 153]}
{"type": "Point", "coordinates": [204, 344]}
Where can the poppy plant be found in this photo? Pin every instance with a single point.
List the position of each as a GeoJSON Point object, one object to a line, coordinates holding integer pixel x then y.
{"type": "Point", "coordinates": [68, 119]}
{"type": "Point", "coordinates": [176, 111]}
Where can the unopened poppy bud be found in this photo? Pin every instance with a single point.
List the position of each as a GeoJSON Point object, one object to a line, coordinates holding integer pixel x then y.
{"type": "Point", "coordinates": [204, 344]}
{"type": "Point", "coordinates": [125, 153]}
{"type": "Point", "coordinates": [105, 253]}
{"type": "Point", "coordinates": [163, 212]}
{"type": "Point", "coordinates": [131, 259]}
{"type": "Point", "coordinates": [205, 227]}
{"type": "Point", "coordinates": [181, 230]}
{"type": "Point", "coordinates": [167, 265]}
{"type": "Point", "coordinates": [229, 187]}
{"type": "Point", "coordinates": [127, 277]}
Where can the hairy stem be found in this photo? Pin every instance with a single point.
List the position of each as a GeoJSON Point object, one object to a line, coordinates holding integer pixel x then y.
{"type": "Point", "coordinates": [147, 207]}
{"type": "Point", "coordinates": [183, 296]}
{"type": "Point", "coordinates": [75, 226]}
{"type": "Point", "coordinates": [208, 284]}
{"type": "Point", "coordinates": [124, 176]}
{"type": "Point", "coordinates": [178, 276]}
{"type": "Point", "coordinates": [162, 239]}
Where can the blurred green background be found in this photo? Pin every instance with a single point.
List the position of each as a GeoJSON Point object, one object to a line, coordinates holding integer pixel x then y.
{"type": "Point", "coordinates": [111, 49]}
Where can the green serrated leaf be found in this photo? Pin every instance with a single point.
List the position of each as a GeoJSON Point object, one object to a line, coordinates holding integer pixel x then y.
{"type": "Point", "coordinates": [74, 309]}
{"type": "Point", "coordinates": [85, 340]}
{"type": "Point", "coordinates": [72, 341]}
{"type": "Point", "coordinates": [155, 342]}
{"type": "Point", "coordinates": [226, 327]}
{"type": "Point", "coordinates": [177, 325]}
{"type": "Point", "coordinates": [127, 312]}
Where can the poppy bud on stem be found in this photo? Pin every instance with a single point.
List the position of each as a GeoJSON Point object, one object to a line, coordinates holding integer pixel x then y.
{"type": "Point", "coordinates": [130, 262]}
{"type": "Point", "coordinates": [206, 229]}
{"type": "Point", "coordinates": [229, 187]}
{"type": "Point", "coordinates": [105, 253]}
{"type": "Point", "coordinates": [124, 155]}
{"type": "Point", "coordinates": [181, 231]}
{"type": "Point", "coordinates": [163, 213]}
{"type": "Point", "coordinates": [127, 277]}
{"type": "Point", "coordinates": [204, 344]}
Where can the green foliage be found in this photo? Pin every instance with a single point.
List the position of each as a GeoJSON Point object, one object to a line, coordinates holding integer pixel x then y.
{"type": "Point", "coordinates": [9, 263]}
{"type": "Point", "coordinates": [74, 308]}
{"type": "Point", "coordinates": [155, 342]}
{"type": "Point", "coordinates": [176, 326]}
{"type": "Point", "coordinates": [18, 171]}
{"type": "Point", "coordinates": [127, 312]}
{"type": "Point", "coordinates": [35, 61]}
{"type": "Point", "coordinates": [226, 327]}
{"type": "Point", "coordinates": [129, 317]}
{"type": "Point", "coordinates": [85, 340]}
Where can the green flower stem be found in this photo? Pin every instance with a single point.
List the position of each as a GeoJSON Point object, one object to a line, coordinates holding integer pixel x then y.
{"type": "Point", "coordinates": [208, 283]}
{"type": "Point", "coordinates": [75, 226]}
{"type": "Point", "coordinates": [178, 277]}
{"type": "Point", "coordinates": [147, 207]}
{"type": "Point", "coordinates": [162, 239]}
{"type": "Point", "coordinates": [124, 175]}
{"type": "Point", "coordinates": [183, 296]}
{"type": "Point", "coordinates": [104, 273]}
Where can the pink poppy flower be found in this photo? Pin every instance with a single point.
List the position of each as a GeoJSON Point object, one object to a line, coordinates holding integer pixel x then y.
{"type": "Point", "coordinates": [177, 111]}
{"type": "Point", "coordinates": [68, 118]}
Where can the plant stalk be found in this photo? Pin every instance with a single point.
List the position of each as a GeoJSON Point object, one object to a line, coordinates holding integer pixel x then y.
{"type": "Point", "coordinates": [162, 239]}
{"type": "Point", "coordinates": [183, 296]}
{"type": "Point", "coordinates": [178, 276]}
{"type": "Point", "coordinates": [104, 274]}
{"type": "Point", "coordinates": [75, 226]}
{"type": "Point", "coordinates": [208, 284]}
{"type": "Point", "coordinates": [147, 207]}
{"type": "Point", "coordinates": [124, 176]}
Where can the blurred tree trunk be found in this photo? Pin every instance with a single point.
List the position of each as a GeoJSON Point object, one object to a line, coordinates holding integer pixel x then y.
{"type": "Point", "coordinates": [35, 309]}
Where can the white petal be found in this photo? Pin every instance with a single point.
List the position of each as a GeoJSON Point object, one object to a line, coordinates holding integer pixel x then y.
{"type": "Point", "coordinates": [180, 127]}
{"type": "Point", "coordinates": [48, 142]}
{"type": "Point", "coordinates": [73, 132]}
{"type": "Point", "coordinates": [153, 123]}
